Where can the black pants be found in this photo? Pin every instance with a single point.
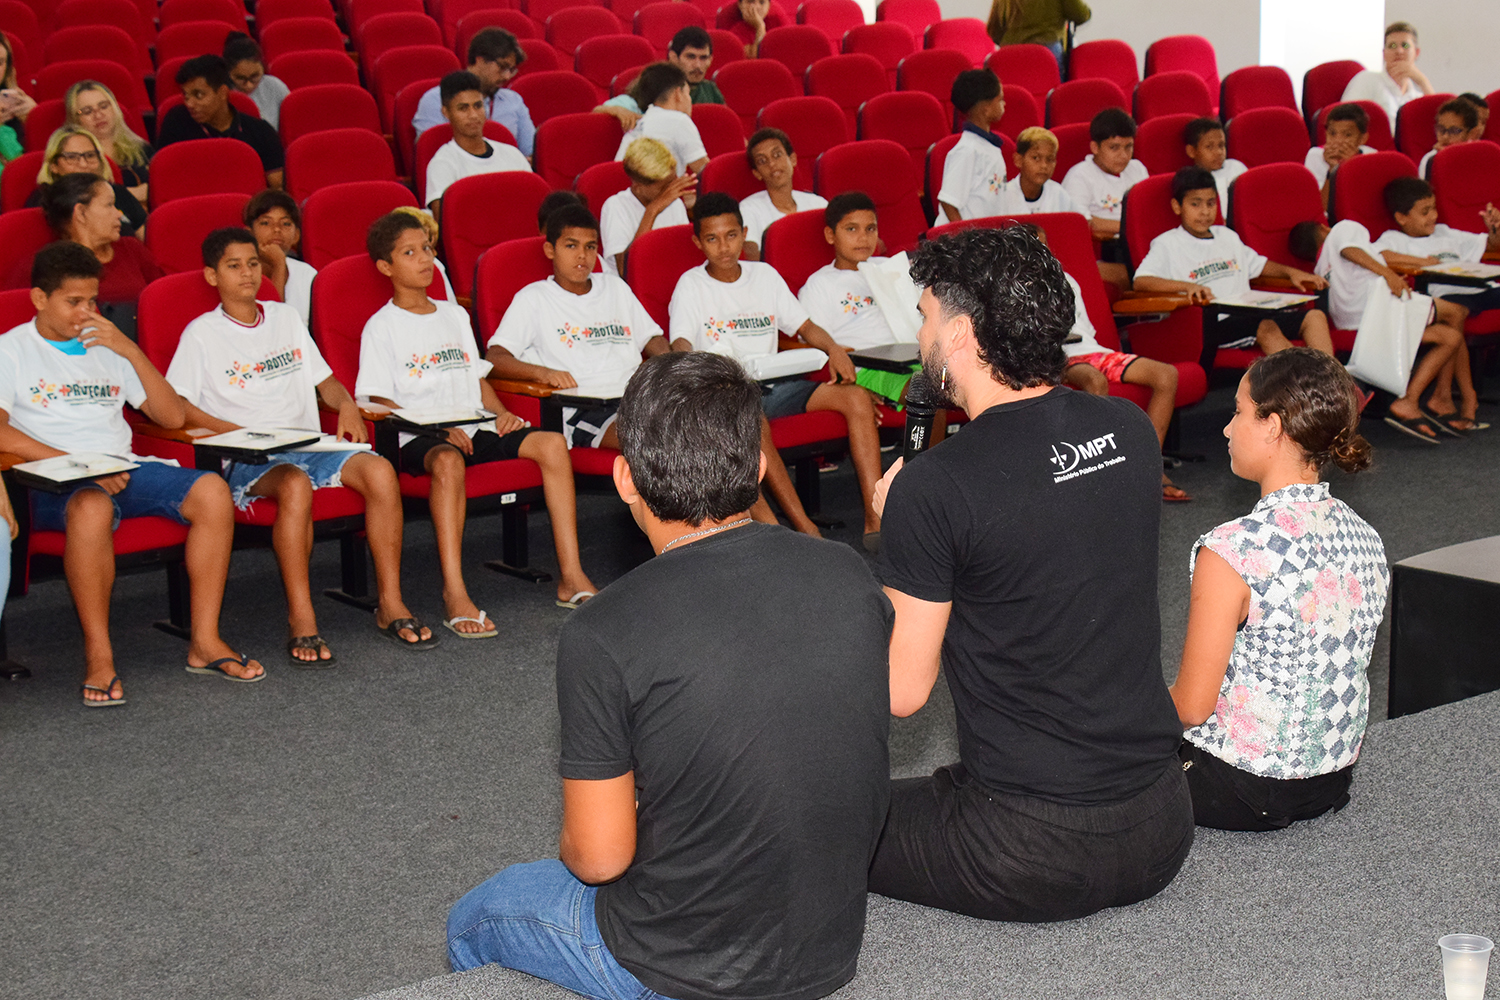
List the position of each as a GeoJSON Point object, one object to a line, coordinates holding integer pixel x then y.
{"type": "Point", "coordinates": [1228, 798]}
{"type": "Point", "coordinates": [951, 843]}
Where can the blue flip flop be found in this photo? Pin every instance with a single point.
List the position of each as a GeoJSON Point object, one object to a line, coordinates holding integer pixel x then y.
{"type": "Point", "coordinates": [215, 669]}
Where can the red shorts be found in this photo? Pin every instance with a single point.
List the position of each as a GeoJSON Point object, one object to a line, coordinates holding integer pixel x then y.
{"type": "Point", "coordinates": [1111, 363]}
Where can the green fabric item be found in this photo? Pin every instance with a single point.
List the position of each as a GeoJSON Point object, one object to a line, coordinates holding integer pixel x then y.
{"type": "Point", "coordinates": [706, 92]}
{"type": "Point", "coordinates": [10, 146]}
{"type": "Point", "coordinates": [1041, 21]}
{"type": "Point", "coordinates": [887, 385]}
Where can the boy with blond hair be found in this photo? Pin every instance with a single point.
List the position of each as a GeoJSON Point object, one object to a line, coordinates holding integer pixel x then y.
{"type": "Point", "coordinates": [654, 199]}
{"type": "Point", "coordinates": [1033, 190]}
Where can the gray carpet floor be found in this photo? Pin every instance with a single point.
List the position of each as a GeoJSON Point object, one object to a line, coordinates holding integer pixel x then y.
{"type": "Point", "coordinates": [305, 836]}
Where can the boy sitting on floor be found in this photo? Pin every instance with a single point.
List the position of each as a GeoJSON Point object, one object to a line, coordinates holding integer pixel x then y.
{"type": "Point", "coordinates": [735, 308]}
{"type": "Point", "coordinates": [974, 173]}
{"type": "Point", "coordinates": [1032, 190]}
{"type": "Point", "coordinates": [653, 200]}
{"type": "Point", "coordinates": [1344, 137]}
{"type": "Point", "coordinates": [774, 164]}
{"type": "Point", "coordinates": [1208, 147]}
{"type": "Point", "coordinates": [1205, 262]}
{"type": "Point", "coordinates": [1348, 260]}
{"type": "Point", "coordinates": [419, 353]}
{"type": "Point", "coordinates": [469, 152]}
{"type": "Point", "coordinates": [275, 378]}
{"type": "Point", "coordinates": [64, 381]}
{"type": "Point", "coordinates": [576, 328]}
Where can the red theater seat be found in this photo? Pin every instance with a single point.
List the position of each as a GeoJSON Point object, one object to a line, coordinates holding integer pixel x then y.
{"type": "Point", "coordinates": [887, 41]}
{"type": "Point", "coordinates": [966, 34]}
{"type": "Point", "coordinates": [482, 211]}
{"type": "Point", "coordinates": [873, 166]}
{"type": "Point", "coordinates": [1159, 145]}
{"type": "Point", "coordinates": [1190, 53]}
{"type": "Point", "coordinates": [204, 166]}
{"type": "Point", "coordinates": [1105, 59]}
{"type": "Point", "coordinates": [720, 128]}
{"type": "Point", "coordinates": [912, 118]}
{"type": "Point", "coordinates": [1255, 87]}
{"type": "Point", "coordinates": [832, 17]}
{"type": "Point", "coordinates": [313, 67]}
{"type": "Point", "coordinates": [1324, 85]}
{"type": "Point", "coordinates": [916, 15]}
{"type": "Point", "coordinates": [751, 84]}
{"type": "Point", "coordinates": [176, 238]}
{"type": "Point", "coordinates": [813, 124]}
{"type": "Point", "coordinates": [1263, 136]}
{"type": "Point", "coordinates": [327, 106]}
{"type": "Point", "coordinates": [336, 218]}
{"type": "Point", "coordinates": [336, 156]}
{"type": "Point", "coordinates": [848, 80]}
{"type": "Point", "coordinates": [1078, 101]}
{"type": "Point", "coordinates": [933, 71]}
{"type": "Point", "coordinates": [1172, 93]}
{"type": "Point", "coordinates": [796, 46]}
{"type": "Point", "coordinates": [1033, 67]}
{"type": "Point", "coordinates": [567, 145]}
{"type": "Point", "coordinates": [563, 92]}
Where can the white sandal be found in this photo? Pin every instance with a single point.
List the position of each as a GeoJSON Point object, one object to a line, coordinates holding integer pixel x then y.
{"type": "Point", "coordinates": [576, 599]}
{"type": "Point", "coordinates": [451, 622]}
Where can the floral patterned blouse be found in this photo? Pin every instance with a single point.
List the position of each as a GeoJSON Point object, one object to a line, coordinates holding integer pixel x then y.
{"type": "Point", "coordinates": [1295, 696]}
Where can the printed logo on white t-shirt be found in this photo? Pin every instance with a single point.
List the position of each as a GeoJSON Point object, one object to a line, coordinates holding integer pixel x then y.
{"type": "Point", "coordinates": [1212, 270]}
{"type": "Point", "coordinates": [853, 304]}
{"type": "Point", "coordinates": [89, 393]}
{"type": "Point", "coordinates": [445, 359]}
{"type": "Point", "coordinates": [1067, 458]}
{"type": "Point", "coordinates": [741, 326]}
{"type": "Point", "coordinates": [242, 373]}
{"type": "Point", "coordinates": [605, 333]}
{"type": "Point", "coordinates": [996, 183]}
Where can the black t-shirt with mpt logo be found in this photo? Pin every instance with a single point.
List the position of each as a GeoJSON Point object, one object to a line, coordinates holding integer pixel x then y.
{"type": "Point", "coordinates": [1039, 523]}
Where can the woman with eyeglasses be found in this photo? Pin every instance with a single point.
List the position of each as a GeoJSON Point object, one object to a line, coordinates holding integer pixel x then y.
{"type": "Point", "coordinates": [80, 207]}
{"type": "Point", "coordinates": [247, 68]}
{"type": "Point", "coordinates": [1400, 82]}
{"type": "Point", "coordinates": [92, 105]}
{"type": "Point", "coordinates": [75, 150]}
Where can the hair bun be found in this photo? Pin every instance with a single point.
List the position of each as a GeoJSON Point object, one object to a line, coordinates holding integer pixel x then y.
{"type": "Point", "coordinates": [1350, 451]}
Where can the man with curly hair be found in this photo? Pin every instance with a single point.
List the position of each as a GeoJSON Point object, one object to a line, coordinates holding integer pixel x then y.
{"type": "Point", "coordinates": [1021, 557]}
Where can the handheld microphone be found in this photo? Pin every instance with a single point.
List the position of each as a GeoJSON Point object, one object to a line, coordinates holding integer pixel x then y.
{"type": "Point", "coordinates": [922, 402]}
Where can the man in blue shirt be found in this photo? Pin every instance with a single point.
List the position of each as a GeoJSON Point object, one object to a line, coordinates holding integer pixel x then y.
{"type": "Point", "coordinates": [494, 57]}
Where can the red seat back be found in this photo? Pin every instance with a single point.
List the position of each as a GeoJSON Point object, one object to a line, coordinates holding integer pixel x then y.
{"type": "Point", "coordinates": [1190, 53]}
{"type": "Point", "coordinates": [192, 38]}
{"type": "Point", "coordinates": [1268, 135]}
{"type": "Point", "coordinates": [358, 12]}
{"type": "Point", "coordinates": [449, 13]}
{"type": "Point", "coordinates": [22, 233]}
{"type": "Point", "coordinates": [795, 247]}
{"type": "Point", "coordinates": [502, 271]}
{"type": "Point", "coordinates": [1416, 124]}
{"type": "Point", "coordinates": [204, 166]}
{"type": "Point", "coordinates": [567, 145]}
{"type": "Point", "coordinates": [19, 180]}
{"type": "Point", "coordinates": [513, 21]}
{"type": "Point", "coordinates": [1325, 83]}
{"type": "Point", "coordinates": [888, 41]}
{"type": "Point", "coordinates": [482, 211]}
{"type": "Point", "coordinates": [916, 15]}
{"type": "Point", "coordinates": [966, 34]}
{"type": "Point", "coordinates": [727, 47]}
{"type": "Point", "coordinates": [657, 259]}
{"type": "Point", "coordinates": [268, 12]}
{"type": "Point", "coordinates": [848, 80]}
{"type": "Point", "coordinates": [1033, 67]}
{"type": "Point", "coordinates": [570, 27]}
{"type": "Point", "coordinates": [327, 106]}
{"type": "Point", "coordinates": [599, 183]}
{"type": "Point", "coordinates": [540, 10]}
{"type": "Point", "coordinates": [47, 117]}
{"type": "Point", "coordinates": [1080, 100]}
{"type": "Point", "coordinates": [1358, 189]}
{"type": "Point", "coordinates": [1176, 92]}
{"type": "Point", "coordinates": [541, 58]}
{"type": "Point", "coordinates": [312, 67]}
{"type": "Point", "coordinates": [831, 17]}
{"type": "Point", "coordinates": [813, 124]}
{"type": "Point", "coordinates": [22, 27]}
{"type": "Point", "coordinates": [54, 79]}
{"type": "Point", "coordinates": [429, 142]}
{"type": "Point", "coordinates": [599, 59]}
{"type": "Point", "coordinates": [336, 156]}
{"type": "Point", "coordinates": [933, 71]}
{"type": "Point", "coordinates": [1072, 146]}
{"type": "Point", "coordinates": [179, 11]}
{"type": "Point", "coordinates": [404, 130]}
{"type": "Point", "coordinates": [658, 22]}
{"type": "Point", "coordinates": [1021, 112]}
{"type": "Point", "coordinates": [345, 294]}
{"type": "Point", "coordinates": [911, 118]}
{"type": "Point", "coordinates": [1267, 202]}
{"type": "Point", "coordinates": [395, 29]}
{"type": "Point", "coordinates": [1146, 214]}
{"type": "Point", "coordinates": [729, 173]}
{"type": "Point", "coordinates": [336, 218]}
{"type": "Point", "coordinates": [69, 42]}
{"type": "Point", "coordinates": [170, 303]}
{"type": "Point", "coordinates": [1255, 87]}
{"type": "Point", "coordinates": [562, 92]}
{"type": "Point", "coordinates": [396, 68]}
{"type": "Point", "coordinates": [176, 238]}
{"type": "Point", "coordinates": [300, 34]}
{"type": "Point", "coordinates": [1380, 136]}
{"type": "Point", "coordinates": [720, 128]}
{"type": "Point", "coordinates": [1466, 178]}
{"type": "Point", "coordinates": [1105, 59]}
{"type": "Point", "coordinates": [873, 166]}
{"type": "Point", "coordinates": [796, 46]}
{"type": "Point", "coordinates": [750, 85]}
{"type": "Point", "coordinates": [1159, 145]}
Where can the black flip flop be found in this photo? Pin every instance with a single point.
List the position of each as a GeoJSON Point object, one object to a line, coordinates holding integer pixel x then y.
{"type": "Point", "coordinates": [216, 669]}
{"type": "Point", "coordinates": [393, 633]}
{"type": "Point", "coordinates": [1446, 422]}
{"type": "Point", "coordinates": [108, 702]}
{"type": "Point", "coordinates": [313, 642]}
{"type": "Point", "coordinates": [1413, 427]}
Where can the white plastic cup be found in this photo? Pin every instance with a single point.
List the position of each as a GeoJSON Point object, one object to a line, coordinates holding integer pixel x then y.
{"type": "Point", "coordinates": [1466, 961]}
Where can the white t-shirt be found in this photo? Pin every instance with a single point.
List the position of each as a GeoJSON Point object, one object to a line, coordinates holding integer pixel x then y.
{"type": "Point", "coordinates": [735, 318]}
{"type": "Point", "coordinates": [672, 129]}
{"type": "Point", "coordinates": [1052, 199]}
{"type": "Point", "coordinates": [596, 337]}
{"type": "Point", "coordinates": [69, 402]}
{"type": "Point", "coordinates": [841, 302]}
{"type": "Point", "coordinates": [1348, 283]}
{"type": "Point", "coordinates": [450, 163]}
{"type": "Point", "coordinates": [1422, 164]}
{"type": "Point", "coordinates": [973, 178]}
{"type": "Point", "coordinates": [298, 291]}
{"type": "Point", "coordinates": [759, 213]}
{"type": "Point", "coordinates": [1082, 325]}
{"type": "Point", "coordinates": [619, 219]}
{"type": "Point", "coordinates": [1376, 85]}
{"type": "Point", "coordinates": [1101, 194]}
{"type": "Point", "coordinates": [1221, 263]}
{"type": "Point", "coordinates": [1225, 176]}
{"type": "Point", "coordinates": [1448, 245]}
{"type": "Point", "coordinates": [264, 375]}
{"type": "Point", "coordinates": [422, 361]}
{"type": "Point", "coordinates": [1315, 163]}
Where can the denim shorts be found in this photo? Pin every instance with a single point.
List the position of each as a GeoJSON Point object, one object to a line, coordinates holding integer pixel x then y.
{"type": "Point", "coordinates": [324, 468]}
{"type": "Point", "coordinates": [154, 490]}
{"type": "Point", "coordinates": [786, 399]}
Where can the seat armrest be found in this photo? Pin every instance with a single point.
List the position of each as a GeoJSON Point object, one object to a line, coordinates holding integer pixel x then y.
{"type": "Point", "coordinates": [1137, 304]}
{"type": "Point", "coordinates": [368, 411]}
{"type": "Point", "coordinates": [539, 390]}
{"type": "Point", "coordinates": [184, 435]}
{"type": "Point", "coordinates": [1279, 285]}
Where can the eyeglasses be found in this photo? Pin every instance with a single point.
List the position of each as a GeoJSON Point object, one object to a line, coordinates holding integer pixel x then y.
{"type": "Point", "coordinates": [89, 157]}
{"type": "Point", "coordinates": [1399, 46]}
{"type": "Point", "coordinates": [1451, 131]}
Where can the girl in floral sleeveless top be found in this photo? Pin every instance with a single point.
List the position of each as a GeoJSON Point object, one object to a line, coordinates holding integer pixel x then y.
{"type": "Point", "coordinates": [1285, 603]}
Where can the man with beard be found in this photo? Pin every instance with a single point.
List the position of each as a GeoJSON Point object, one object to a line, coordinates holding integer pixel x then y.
{"type": "Point", "coordinates": [1021, 557]}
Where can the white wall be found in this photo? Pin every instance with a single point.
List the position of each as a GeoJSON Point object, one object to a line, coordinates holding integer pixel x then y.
{"type": "Point", "coordinates": [1458, 40]}
{"type": "Point", "coordinates": [1297, 35]}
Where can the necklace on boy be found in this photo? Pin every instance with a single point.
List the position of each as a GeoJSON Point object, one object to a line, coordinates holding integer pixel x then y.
{"type": "Point", "coordinates": [700, 534]}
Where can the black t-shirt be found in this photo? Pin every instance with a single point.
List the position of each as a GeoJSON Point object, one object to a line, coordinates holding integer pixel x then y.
{"type": "Point", "coordinates": [1038, 521]}
{"type": "Point", "coordinates": [178, 126]}
{"type": "Point", "coordinates": [743, 678]}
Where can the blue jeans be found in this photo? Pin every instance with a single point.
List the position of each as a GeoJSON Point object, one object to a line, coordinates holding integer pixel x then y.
{"type": "Point", "coordinates": [324, 468]}
{"type": "Point", "coordinates": [154, 490]}
{"type": "Point", "coordinates": [539, 919]}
